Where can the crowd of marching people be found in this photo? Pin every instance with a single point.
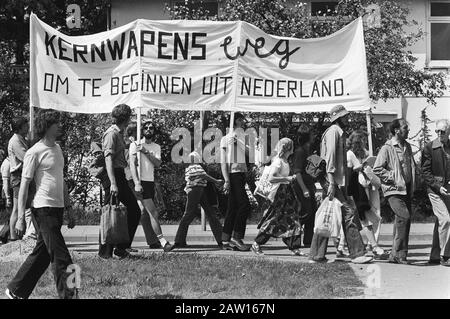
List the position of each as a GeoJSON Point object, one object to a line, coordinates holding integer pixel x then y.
{"type": "Point", "coordinates": [348, 211]}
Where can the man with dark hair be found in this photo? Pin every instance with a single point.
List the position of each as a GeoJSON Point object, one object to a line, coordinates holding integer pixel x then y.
{"type": "Point", "coordinates": [17, 147]}
{"type": "Point", "coordinates": [395, 167]}
{"type": "Point", "coordinates": [150, 235]}
{"type": "Point", "coordinates": [144, 177]}
{"type": "Point", "coordinates": [234, 169]}
{"type": "Point", "coordinates": [113, 146]}
{"type": "Point", "coordinates": [333, 150]}
{"type": "Point", "coordinates": [44, 163]}
{"type": "Point", "coordinates": [436, 173]}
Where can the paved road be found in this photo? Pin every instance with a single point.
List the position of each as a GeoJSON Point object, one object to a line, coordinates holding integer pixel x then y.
{"type": "Point", "coordinates": [382, 280]}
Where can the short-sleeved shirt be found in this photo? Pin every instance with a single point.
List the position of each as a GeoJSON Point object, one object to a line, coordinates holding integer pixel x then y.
{"type": "Point", "coordinates": [352, 161]}
{"type": "Point", "coordinates": [6, 174]}
{"type": "Point", "coordinates": [147, 170]}
{"type": "Point", "coordinates": [45, 165]}
{"type": "Point", "coordinates": [332, 150]}
{"type": "Point", "coordinates": [194, 176]}
{"type": "Point", "coordinates": [6, 169]}
{"type": "Point", "coordinates": [281, 167]}
{"type": "Point", "coordinates": [235, 152]}
{"type": "Point", "coordinates": [113, 145]}
{"type": "Point", "coordinates": [17, 147]}
{"type": "Point", "coordinates": [300, 163]}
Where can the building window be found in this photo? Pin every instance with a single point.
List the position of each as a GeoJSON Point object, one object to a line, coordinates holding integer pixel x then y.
{"type": "Point", "coordinates": [439, 34]}
{"type": "Point", "coordinates": [211, 6]}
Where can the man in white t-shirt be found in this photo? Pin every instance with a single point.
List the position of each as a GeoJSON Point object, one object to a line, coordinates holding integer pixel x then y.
{"type": "Point", "coordinates": [144, 177]}
{"type": "Point", "coordinates": [44, 163]}
{"type": "Point", "coordinates": [6, 185]}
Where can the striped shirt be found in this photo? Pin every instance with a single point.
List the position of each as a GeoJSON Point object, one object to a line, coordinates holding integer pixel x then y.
{"type": "Point", "coordinates": [194, 176]}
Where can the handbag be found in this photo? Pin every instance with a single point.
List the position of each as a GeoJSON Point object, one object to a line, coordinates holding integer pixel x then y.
{"type": "Point", "coordinates": [113, 223]}
{"type": "Point", "coordinates": [264, 188]}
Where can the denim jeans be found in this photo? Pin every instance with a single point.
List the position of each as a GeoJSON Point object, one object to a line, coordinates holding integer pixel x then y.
{"type": "Point", "coordinates": [126, 197]}
{"type": "Point", "coordinates": [50, 248]}
{"type": "Point", "coordinates": [197, 196]}
{"type": "Point", "coordinates": [401, 206]}
{"type": "Point", "coordinates": [238, 208]}
{"type": "Point", "coordinates": [351, 226]}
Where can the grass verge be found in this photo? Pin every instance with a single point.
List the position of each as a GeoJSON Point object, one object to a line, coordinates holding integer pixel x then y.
{"type": "Point", "coordinates": [155, 275]}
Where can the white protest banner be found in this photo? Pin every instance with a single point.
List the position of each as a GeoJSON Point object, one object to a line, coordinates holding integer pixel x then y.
{"type": "Point", "coordinates": [197, 65]}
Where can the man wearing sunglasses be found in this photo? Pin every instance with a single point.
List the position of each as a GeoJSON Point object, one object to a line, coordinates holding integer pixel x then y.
{"type": "Point", "coordinates": [436, 173]}
{"type": "Point", "coordinates": [144, 177]}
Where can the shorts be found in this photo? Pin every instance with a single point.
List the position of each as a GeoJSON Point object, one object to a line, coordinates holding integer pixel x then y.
{"type": "Point", "coordinates": [148, 190]}
{"type": "Point", "coordinates": [31, 192]}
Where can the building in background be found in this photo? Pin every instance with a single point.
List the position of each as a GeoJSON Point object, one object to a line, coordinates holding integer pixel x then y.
{"type": "Point", "coordinates": [432, 52]}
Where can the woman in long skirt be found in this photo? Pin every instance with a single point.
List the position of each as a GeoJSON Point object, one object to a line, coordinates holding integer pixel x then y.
{"type": "Point", "coordinates": [282, 217]}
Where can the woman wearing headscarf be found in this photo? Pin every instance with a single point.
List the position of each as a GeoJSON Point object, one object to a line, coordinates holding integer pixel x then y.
{"type": "Point", "coordinates": [282, 218]}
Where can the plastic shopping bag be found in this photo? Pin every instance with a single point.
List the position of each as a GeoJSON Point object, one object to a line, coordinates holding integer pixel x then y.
{"type": "Point", "coordinates": [328, 219]}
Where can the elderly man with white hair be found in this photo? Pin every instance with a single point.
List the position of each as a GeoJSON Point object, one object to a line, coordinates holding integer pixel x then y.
{"type": "Point", "coordinates": [436, 172]}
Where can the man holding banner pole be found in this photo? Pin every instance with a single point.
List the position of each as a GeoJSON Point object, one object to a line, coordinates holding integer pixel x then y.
{"type": "Point", "coordinates": [234, 169]}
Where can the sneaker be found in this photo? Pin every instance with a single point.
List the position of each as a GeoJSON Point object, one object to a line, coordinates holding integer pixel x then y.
{"type": "Point", "coordinates": [362, 260]}
{"type": "Point", "coordinates": [168, 247]}
{"type": "Point", "coordinates": [257, 249]}
{"type": "Point", "coordinates": [10, 295]}
{"type": "Point", "coordinates": [238, 244]}
{"type": "Point", "coordinates": [298, 252]}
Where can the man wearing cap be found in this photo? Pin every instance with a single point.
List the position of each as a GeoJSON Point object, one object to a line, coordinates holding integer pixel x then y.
{"type": "Point", "coordinates": [395, 167]}
{"type": "Point", "coordinates": [334, 152]}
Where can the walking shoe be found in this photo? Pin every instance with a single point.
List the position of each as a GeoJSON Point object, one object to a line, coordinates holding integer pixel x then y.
{"type": "Point", "coordinates": [379, 253]}
{"type": "Point", "coordinates": [121, 253]}
{"type": "Point", "coordinates": [445, 261]}
{"type": "Point", "coordinates": [298, 252]}
{"type": "Point", "coordinates": [362, 260]}
{"type": "Point", "coordinates": [10, 295]}
{"type": "Point", "coordinates": [226, 246]}
{"type": "Point", "coordinates": [257, 249]}
{"type": "Point", "coordinates": [168, 247]}
{"type": "Point", "coordinates": [155, 246]}
{"type": "Point", "coordinates": [340, 254]}
{"type": "Point", "coordinates": [239, 244]}
{"type": "Point", "coordinates": [318, 260]}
